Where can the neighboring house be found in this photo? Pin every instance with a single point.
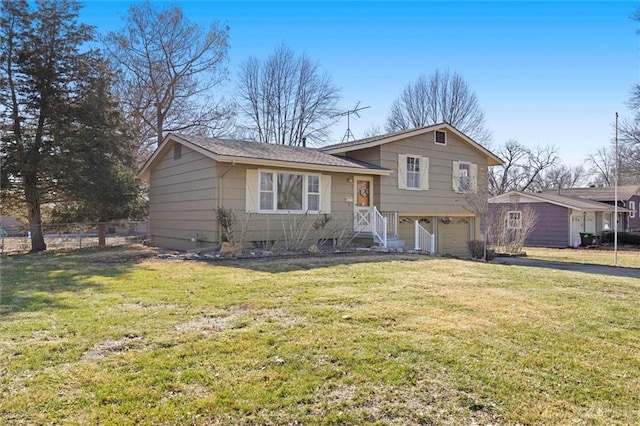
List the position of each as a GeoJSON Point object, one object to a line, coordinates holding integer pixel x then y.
{"type": "Point", "coordinates": [628, 197]}
{"type": "Point", "coordinates": [406, 187]}
{"type": "Point", "coordinates": [559, 219]}
{"type": "Point", "coordinates": [11, 226]}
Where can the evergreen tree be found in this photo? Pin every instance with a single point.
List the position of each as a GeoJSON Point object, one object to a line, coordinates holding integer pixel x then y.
{"type": "Point", "coordinates": [97, 156]}
{"type": "Point", "coordinates": [61, 139]}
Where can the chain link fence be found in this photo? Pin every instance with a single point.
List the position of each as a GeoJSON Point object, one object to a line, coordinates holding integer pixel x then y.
{"type": "Point", "coordinates": [17, 238]}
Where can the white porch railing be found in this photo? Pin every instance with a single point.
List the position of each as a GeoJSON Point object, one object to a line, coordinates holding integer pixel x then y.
{"type": "Point", "coordinates": [379, 226]}
{"type": "Point", "coordinates": [424, 241]}
{"type": "Point", "coordinates": [392, 222]}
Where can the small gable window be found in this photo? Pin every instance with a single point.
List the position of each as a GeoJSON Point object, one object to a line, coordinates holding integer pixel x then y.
{"type": "Point", "coordinates": [177, 151]}
{"type": "Point", "coordinates": [514, 220]}
{"type": "Point", "coordinates": [440, 137]}
{"type": "Point", "coordinates": [413, 172]}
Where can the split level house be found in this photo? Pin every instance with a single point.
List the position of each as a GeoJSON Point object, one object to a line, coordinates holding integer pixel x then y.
{"type": "Point", "coordinates": [406, 189]}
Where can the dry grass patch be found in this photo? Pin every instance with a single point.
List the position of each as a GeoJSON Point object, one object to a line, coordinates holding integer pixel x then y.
{"type": "Point", "coordinates": [627, 257]}
{"type": "Point", "coordinates": [392, 340]}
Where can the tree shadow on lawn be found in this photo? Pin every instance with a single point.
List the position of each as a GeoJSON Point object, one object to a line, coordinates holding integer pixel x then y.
{"type": "Point", "coordinates": [290, 263]}
{"type": "Point", "coordinates": [36, 281]}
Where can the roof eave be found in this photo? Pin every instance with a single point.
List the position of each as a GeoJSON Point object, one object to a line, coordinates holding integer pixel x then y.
{"type": "Point", "coordinates": [144, 173]}
{"type": "Point", "coordinates": [303, 166]}
{"type": "Point", "coordinates": [494, 160]}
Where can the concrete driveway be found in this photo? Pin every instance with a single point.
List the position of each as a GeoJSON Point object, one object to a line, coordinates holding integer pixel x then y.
{"type": "Point", "coordinates": [617, 271]}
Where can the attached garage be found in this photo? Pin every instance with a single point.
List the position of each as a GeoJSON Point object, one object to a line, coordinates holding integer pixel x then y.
{"type": "Point", "coordinates": [452, 235]}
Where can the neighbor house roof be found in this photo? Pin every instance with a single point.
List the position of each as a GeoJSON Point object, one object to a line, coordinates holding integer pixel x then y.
{"type": "Point", "coordinates": [344, 147]}
{"type": "Point", "coordinates": [256, 153]}
{"type": "Point", "coordinates": [575, 203]}
{"type": "Point", "coordinates": [600, 193]}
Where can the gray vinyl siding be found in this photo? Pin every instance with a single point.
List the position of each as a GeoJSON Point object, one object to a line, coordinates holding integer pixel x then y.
{"type": "Point", "coordinates": [439, 199]}
{"type": "Point", "coordinates": [181, 200]}
{"type": "Point", "coordinates": [452, 238]}
{"type": "Point", "coordinates": [258, 227]}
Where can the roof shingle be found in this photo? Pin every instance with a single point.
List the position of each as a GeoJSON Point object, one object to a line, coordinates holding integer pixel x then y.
{"type": "Point", "coordinates": [275, 152]}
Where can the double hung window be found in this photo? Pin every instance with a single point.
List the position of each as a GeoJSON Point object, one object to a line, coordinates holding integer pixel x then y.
{"type": "Point", "coordinates": [287, 191]}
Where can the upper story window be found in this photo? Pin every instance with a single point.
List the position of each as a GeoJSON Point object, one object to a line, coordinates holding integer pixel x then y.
{"type": "Point", "coordinates": [465, 176]}
{"type": "Point", "coordinates": [413, 172]}
{"type": "Point", "coordinates": [440, 137]}
{"type": "Point", "coordinates": [514, 220]}
{"type": "Point", "coordinates": [632, 207]}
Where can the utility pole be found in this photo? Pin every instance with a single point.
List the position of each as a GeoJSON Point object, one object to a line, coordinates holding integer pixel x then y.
{"type": "Point", "coordinates": [615, 209]}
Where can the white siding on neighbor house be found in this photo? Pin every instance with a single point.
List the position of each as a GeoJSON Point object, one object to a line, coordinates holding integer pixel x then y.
{"type": "Point", "coordinates": [182, 197]}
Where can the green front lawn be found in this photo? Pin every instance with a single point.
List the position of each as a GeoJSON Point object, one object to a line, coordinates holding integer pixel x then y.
{"type": "Point", "coordinates": [111, 337]}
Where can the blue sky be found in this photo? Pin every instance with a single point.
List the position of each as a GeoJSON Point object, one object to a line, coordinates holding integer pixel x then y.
{"type": "Point", "coordinates": [545, 73]}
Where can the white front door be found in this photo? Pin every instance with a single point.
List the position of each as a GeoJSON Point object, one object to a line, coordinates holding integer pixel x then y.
{"type": "Point", "coordinates": [362, 203]}
{"type": "Point", "coordinates": [577, 226]}
{"type": "Point", "coordinates": [590, 222]}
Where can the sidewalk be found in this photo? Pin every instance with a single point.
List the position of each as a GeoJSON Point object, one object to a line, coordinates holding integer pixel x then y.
{"type": "Point", "coordinates": [618, 271]}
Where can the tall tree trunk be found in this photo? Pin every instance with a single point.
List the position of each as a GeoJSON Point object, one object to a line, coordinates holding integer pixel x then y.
{"type": "Point", "coordinates": [102, 234]}
{"type": "Point", "coordinates": [35, 218]}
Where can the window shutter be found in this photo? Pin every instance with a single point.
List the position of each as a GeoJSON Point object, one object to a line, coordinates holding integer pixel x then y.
{"type": "Point", "coordinates": [251, 191]}
{"type": "Point", "coordinates": [473, 171]}
{"type": "Point", "coordinates": [424, 173]}
{"type": "Point", "coordinates": [325, 194]}
{"type": "Point", "coordinates": [402, 171]}
{"type": "Point", "coordinates": [456, 175]}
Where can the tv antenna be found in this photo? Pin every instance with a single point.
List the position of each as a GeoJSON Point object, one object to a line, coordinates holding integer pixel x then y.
{"type": "Point", "coordinates": [355, 111]}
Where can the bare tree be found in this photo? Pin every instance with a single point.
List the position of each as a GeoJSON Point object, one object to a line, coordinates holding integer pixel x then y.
{"type": "Point", "coordinates": [509, 226]}
{"type": "Point", "coordinates": [629, 146]}
{"type": "Point", "coordinates": [602, 165]}
{"type": "Point", "coordinates": [372, 131]}
{"type": "Point", "coordinates": [441, 97]}
{"type": "Point", "coordinates": [560, 176]}
{"type": "Point", "coordinates": [170, 66]}
{"type": "Point", "coordinates": [286, 100]}
{"type": "Point", "coordinates": [522, 167]}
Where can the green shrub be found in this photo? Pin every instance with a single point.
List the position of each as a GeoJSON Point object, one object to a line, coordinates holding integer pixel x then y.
{"type": "Point", "coordinates": [623, 238]}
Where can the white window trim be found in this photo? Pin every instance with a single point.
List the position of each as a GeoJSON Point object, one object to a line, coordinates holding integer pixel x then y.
{"type": "Point", "coordinates": [509, 213]}
{"type": "Point", "coordinates": [473, 176]}
{"type": "Point", "coordinates": [305, 191]}
{"type": "Point", "coordinates": [632, 207]}
{"type": "Point", "coordinates": [435, 132]}
{"type": "Point", "coordinates": [403, 171]}
{"type": "Point", "coordinates": [420, 165]}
